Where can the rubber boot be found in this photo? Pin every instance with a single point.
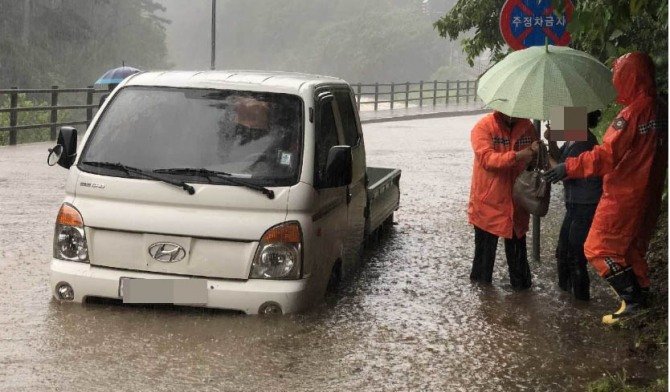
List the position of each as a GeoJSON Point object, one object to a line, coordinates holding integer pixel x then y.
{"type": "Point", "coordinates": [579, 280]}
{"type": "Point", "coordinates": [626, 287]}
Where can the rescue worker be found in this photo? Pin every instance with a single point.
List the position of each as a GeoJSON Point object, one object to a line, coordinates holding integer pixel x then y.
{"type": "Point", "coordinates": [632, 160]}
{"type": "Point", "coordinates": [503, 146]}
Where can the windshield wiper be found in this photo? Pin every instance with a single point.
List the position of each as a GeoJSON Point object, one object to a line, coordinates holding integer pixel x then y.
{"type": "Point", "coordinates": [129, 169]}
{"type": "Point", "coordinates": [227, 177]}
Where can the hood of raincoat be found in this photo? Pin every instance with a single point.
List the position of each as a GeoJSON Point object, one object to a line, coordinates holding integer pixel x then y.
{"type": "Point", "coordinates": [633, 75]}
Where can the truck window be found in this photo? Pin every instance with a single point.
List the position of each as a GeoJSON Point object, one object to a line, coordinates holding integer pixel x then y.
{"type": "Point", "coordinates": [256, 136]}
{"type": "Point", "coordinates": [348, 117]}
{"type": "Point", "coordinates": [326, 137]}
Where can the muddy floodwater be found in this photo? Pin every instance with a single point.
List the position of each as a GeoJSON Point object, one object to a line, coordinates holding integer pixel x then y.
{"type": "Point", "coordinates": [409, 320]}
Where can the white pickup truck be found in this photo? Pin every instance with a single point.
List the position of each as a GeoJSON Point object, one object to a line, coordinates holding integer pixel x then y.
{"type": "Point", "coordinates": [237, 190]}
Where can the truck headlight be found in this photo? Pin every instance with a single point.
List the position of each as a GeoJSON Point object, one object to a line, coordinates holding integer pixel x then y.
{"type": "Point", "coordinates": [279, 254]}
{"type": "Point", "coordinates": [69, 236]}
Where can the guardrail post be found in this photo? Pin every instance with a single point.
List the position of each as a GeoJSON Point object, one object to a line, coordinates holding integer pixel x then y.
{"type": "Point", "coordinates": [435, 93]}
{"type": "Point", "coordinates": [406, 94]}
{"type": "Point", "coordinates": [89, 110]}
{"type": "Point", "coordinates": [421, 93]}
{"type": "Point", "coordinates": [54, 112]}
{"type": "Point", "coordinates": [13, 115]}
{"type": "Point", "coordinates": [392, 94]}
{"type": "Point", "coordinates": [458, 91]}
{"type": "Point", "coordinates": [448, 94]}
{"type": "Point", "coordinates": [358, 96]}
{"type": "Point", "coordinates": [476, 87]}
{"type": "Point", "coordinates": [376, 95]}
{"type": "Point", "coordinates": [467, 91]}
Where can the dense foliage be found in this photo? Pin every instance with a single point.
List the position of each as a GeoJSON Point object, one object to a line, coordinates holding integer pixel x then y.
{"type": "Point", "coordinates": [480, 16]}
{"type": "Point", "coordinates": [72, 42]}
{"type": "Point", "coordinates": [603, 28]}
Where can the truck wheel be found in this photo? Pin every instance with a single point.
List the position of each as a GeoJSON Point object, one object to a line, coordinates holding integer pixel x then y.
{"type": "Point", "coordinates": [388, 222]}
{"type": "Point", "coordinates": [335, 278]}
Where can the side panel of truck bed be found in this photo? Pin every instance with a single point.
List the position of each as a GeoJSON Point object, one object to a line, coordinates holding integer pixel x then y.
{"type": "Point", "coordinates": [383, 195]}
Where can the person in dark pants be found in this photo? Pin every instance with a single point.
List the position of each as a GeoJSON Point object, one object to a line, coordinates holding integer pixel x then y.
{"type": "Point", "coordinates": [581, 200]}
{"type": "Point", "coordinates": [515, 253]}
{"type": "Point", "coordinates": [502, 146]}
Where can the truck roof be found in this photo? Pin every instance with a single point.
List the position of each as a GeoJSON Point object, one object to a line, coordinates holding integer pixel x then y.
{"type": "Point", "coordinates": [232, 79]}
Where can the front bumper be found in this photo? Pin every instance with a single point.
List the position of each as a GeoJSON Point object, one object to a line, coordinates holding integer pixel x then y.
{"type": "Point", "coordinates": [246, 296]}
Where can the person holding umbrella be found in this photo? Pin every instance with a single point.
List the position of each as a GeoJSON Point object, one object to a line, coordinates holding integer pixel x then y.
{"type": "Point", "coordinates": [633, 163]}
{"type": "Point", "coordinates": [503, 146]}
{"type": "Point", "coordinates": [112, 78]}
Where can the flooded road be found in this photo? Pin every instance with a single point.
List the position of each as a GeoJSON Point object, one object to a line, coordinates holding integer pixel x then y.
{"type": "Point", "coordinates": [409, 320]}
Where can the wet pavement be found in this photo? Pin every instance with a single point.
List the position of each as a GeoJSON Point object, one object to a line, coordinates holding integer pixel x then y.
{"type": "Point", "coordinates": [408, 320]}
{"type": "Point", "coordinates": [401, 113]}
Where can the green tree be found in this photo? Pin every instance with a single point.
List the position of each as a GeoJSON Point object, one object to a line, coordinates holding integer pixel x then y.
{"type": "Point", "coordinates": [72, 42]}
{"type": "Point", "coordinates": [602, 28]}
{"type": "Point", "coordinates": [481, 18]}
{"type": "Point", "coordinates": [608, 29]}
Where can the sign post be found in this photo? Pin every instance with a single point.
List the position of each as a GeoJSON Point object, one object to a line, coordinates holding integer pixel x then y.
{"type": "Point", "coordinates": [526, 23]}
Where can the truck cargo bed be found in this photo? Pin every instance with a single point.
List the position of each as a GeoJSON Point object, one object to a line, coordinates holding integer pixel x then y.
{"type": "Point", "coordinates": [383, 196]}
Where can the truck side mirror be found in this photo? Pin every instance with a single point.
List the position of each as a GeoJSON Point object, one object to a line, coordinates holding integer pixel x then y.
{"type": "Point", "coordinates": [338, 167]}
{"type": "Point", "coordinates": [64, 152]}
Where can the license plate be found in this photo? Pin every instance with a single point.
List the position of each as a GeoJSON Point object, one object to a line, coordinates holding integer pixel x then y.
{"type": "Point", "coordinates": [163, 291]}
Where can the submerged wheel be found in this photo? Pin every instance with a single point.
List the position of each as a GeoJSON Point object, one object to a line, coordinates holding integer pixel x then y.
{"type": "Point", "coordinates": [335, 278]}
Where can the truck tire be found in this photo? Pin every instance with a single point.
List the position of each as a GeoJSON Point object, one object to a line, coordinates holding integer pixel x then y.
{"type": "Point", "coordinates": [335, 278]}
{"type": "Point", "coordinates": [388, 222]}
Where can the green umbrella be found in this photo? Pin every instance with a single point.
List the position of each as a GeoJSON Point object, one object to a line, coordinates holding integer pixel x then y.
{"type": "Point", "coordinates": [528, 82]}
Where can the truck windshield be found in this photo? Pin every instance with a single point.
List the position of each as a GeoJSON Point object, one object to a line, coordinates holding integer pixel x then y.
{"type": "Point", "coordinates": [249, 135]}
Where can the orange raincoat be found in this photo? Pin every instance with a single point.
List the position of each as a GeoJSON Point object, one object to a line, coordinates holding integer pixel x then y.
{"type": "Point", "coordinates": [632, 160]}
{"type": "Point", "coordinates": [495, 168]}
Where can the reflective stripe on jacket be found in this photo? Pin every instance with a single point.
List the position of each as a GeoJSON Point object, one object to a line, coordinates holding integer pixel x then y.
{"type": "Point", "coordinates": [495, 168]}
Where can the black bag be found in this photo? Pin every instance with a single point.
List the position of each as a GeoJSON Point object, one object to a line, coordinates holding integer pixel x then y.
{"type": "Point", "coordinates": [531, 191]}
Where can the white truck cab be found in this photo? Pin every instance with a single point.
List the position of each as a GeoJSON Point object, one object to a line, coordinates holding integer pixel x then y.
{"type": "Point", "coordinates": [226, 189]}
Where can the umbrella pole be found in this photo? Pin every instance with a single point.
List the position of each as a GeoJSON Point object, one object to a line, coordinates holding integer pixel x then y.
{"type": "Point", "coordinates": [536, 219]}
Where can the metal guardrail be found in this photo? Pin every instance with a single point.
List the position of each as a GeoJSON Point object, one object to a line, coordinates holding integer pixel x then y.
{"type": "Point", "coordinates": [54, 95]}
{"type": "Point", "coordinates": [385, 95]}
{"type": "Point", "coordinates": [414, 93]}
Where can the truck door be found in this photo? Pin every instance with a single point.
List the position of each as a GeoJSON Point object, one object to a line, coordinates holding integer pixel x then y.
{"type": "Point", "coordinates": [347, 120]}
{"type": "Point", "coordinates": [330, 217]}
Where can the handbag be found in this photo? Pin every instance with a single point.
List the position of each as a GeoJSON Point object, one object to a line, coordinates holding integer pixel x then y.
{"type": "Point", "coordinates": [531, 191]}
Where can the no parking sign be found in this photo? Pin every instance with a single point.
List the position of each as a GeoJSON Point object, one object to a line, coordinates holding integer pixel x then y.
{"type": "Point", "coordinates": [525, 23]}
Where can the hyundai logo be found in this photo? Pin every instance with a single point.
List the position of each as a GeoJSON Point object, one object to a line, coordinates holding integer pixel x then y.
{"type": "Point", "coordinates": [167, 252]}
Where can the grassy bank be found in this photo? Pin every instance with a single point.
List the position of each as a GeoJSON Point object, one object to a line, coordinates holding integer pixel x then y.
{"type": "Point", "coordinates": [649, 331]}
